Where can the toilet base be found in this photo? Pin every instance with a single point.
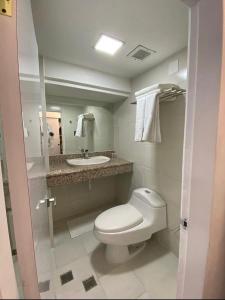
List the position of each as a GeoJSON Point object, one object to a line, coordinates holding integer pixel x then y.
{"type": "Point", "coordinates": [119, 254]}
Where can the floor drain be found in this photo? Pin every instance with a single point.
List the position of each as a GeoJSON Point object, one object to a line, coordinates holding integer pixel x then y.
{"type": "Point", "coordinates": [44, 286]}
{"type": "Point", "coordinates": [66, 277]}
{"type": "Point", "coordinates": [89, 283]}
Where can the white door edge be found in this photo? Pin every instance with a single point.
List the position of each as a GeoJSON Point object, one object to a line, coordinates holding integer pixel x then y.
{"type": "Point", "coordinates": [204, 64]}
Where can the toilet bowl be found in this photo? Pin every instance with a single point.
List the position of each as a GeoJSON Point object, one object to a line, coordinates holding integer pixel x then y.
{"type": "Point", "coordinates": [130, 224]}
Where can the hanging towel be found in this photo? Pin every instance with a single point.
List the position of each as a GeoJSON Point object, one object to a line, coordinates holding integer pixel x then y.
{"type": "Point", "coordinates": [151, 132]}
{"type": "Point", "coordinates": [147, 118]}
{"type": "Point", "coordinates": [140, 115]}
{"type": "Point", "coordinates": [80, 126]}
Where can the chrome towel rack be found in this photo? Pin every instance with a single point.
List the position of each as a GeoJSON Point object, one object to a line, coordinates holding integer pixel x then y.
{"type": "Point", "coordinates": [167, 94]}
{"type": "Point", "coordinates": [89, 117]}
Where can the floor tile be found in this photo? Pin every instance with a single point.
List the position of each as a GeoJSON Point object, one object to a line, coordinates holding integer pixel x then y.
{"type": "Point", "coordinates": [66, 277]}
{"type": "Point", "coordinates": [90, 242]}
{"type": "Point", "coordinates": [99, 262]}
{"type": "Point", "coordinates": [45, 277]}
{"type": "Point", "coordinates": [145, 296]}
{"type": "Point", "coordinates": [61, 233]}
{"type": "Point", "coordinates": [47, 295]}
{"type": "Point", "coordinates": [81, 269]}
{"type": "Point", "coordinates": [121, 285]}
{"type": "Point", "coordinates": [69, 251]}
{"type": "Point", "coordinates": [149, 275]}
{"type": "Point", "coordinates": [69, 290]}
{"type": "Point", "coordinates": [157, 271]}
{"type": "Point", "coordinates": [95, 293]}
{"type": "Point", "coordinates": [82, 225]}
{"type": "Point", "coordinates": [44, 257]}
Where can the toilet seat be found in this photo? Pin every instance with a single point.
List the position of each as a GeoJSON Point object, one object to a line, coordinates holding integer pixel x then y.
{"type": "Point", "coordinates": [119, 218]}
{"type": "Point", "coordinates": [130, 224]}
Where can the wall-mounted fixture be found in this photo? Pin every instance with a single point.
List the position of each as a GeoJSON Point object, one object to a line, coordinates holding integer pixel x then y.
{"type": "Point", "coordinates": [108, 44]}
{"type": "Point", "coordinates": [140, 52]}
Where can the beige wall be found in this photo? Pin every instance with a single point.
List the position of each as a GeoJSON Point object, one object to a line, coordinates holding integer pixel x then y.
{"type": "Point", "coordinates": [102, 127]}
{"type": "Point", "coordinates": [157, 166]}
{"type": "Point", "coordinates": [71, 144]}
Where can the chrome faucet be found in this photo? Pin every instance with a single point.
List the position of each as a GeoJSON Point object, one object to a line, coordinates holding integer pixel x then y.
{"type": "Point", "coordinates": [84, 153]}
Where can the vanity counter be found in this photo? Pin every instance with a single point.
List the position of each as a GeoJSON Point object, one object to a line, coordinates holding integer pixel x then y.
{"type": "Point", "coordinates": [62, 173]}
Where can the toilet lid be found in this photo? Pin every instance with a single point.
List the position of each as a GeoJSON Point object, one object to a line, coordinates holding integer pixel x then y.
{"type": "Point", "coordinates": [118, 219]}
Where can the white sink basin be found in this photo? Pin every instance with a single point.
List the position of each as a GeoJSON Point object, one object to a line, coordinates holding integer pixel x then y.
{"type": "Point", "coordinates": [94, 160]}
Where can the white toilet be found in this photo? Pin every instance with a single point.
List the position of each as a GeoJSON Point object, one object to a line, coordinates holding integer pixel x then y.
{"type": "Point", "coordinates": [130, 224]}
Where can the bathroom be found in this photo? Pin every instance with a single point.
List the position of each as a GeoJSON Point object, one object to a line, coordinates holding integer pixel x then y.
{"type": "Point", "coordinates": [86, 109]}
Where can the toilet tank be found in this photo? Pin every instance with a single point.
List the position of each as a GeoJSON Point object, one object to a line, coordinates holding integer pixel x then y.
{"type": "Point", "coordinates": [148, 202]}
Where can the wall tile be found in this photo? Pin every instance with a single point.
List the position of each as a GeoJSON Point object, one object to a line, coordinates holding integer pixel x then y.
{"type": "Point", "coordinates": [156, 166]}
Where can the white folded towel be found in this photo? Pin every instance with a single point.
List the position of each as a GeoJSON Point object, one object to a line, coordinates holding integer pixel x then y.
{"type": "Point", "coordinates": [152, 131]}
{"type": "Point", "coordinates": [140, 115]}
{"type": "Point", "coordinates": [160, 86]}
{"type": "Point", "coordinates": [147, 118]}
{"type": "Point", "coordinates": [80, 126]}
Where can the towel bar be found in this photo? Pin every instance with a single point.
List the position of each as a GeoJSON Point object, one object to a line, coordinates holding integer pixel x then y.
{"type": "Point", "coordinates": [168, 93]}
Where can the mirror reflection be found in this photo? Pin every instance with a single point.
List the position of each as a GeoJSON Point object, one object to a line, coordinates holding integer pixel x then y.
{"type": "Point", "coordinates": [78, 126]}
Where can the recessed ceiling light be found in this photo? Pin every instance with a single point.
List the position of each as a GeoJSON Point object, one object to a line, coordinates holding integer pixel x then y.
{"type": "Point", "coordinates": [108, 45]}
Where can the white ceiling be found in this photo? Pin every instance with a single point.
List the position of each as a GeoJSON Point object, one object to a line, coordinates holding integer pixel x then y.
{"type": "Point", "coordinates": [68, 30]}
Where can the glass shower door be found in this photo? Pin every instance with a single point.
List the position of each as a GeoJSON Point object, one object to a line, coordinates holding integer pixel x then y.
{"type": "Point", "coordinates": [33, 107]}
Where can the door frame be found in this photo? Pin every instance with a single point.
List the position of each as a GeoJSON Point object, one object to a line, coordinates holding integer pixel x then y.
{"type": "Point", "coordinates": [11, 110]}
{"type": "Point", "coordinates": [200, 143]}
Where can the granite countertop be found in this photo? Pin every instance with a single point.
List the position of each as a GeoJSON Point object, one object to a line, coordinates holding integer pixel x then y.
{"type": "Point", "coordinates": [62, 173]}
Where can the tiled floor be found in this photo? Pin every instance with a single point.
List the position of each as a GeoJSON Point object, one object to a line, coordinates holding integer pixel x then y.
{"type": "Point", "coordinates": [150, 275]}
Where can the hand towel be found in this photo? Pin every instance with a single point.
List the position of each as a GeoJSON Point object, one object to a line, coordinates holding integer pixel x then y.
{"type": "Point", "coordinates": [140, 114]}
{"type": "Point", "coordinates": [80, 126]}
{"type": "Point", "coordinates": [151, 132]}
{"type": "Point", "coordinates": [147, 118]}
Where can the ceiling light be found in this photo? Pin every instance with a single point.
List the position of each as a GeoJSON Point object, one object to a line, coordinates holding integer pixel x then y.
{"type": "Point", "coordinates": [108, 45]}
{"type": "Point", "coordinates": [55, 108]}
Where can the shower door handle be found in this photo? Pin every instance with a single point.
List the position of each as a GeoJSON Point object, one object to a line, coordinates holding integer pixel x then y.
{"type": "Point", "coordinates": [50, 201]}
{"type": "Point", "coordinates": [47, 201]}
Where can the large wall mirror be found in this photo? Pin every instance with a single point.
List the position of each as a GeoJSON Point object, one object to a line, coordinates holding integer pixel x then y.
{"type": "Point", "coordinates": [84, 120]}
{"type": "Point", "coordinates": [73, 127]}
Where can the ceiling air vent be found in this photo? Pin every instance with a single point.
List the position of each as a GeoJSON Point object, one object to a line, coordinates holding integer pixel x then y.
{"type": "Point", "coordinates": [140, 53]}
